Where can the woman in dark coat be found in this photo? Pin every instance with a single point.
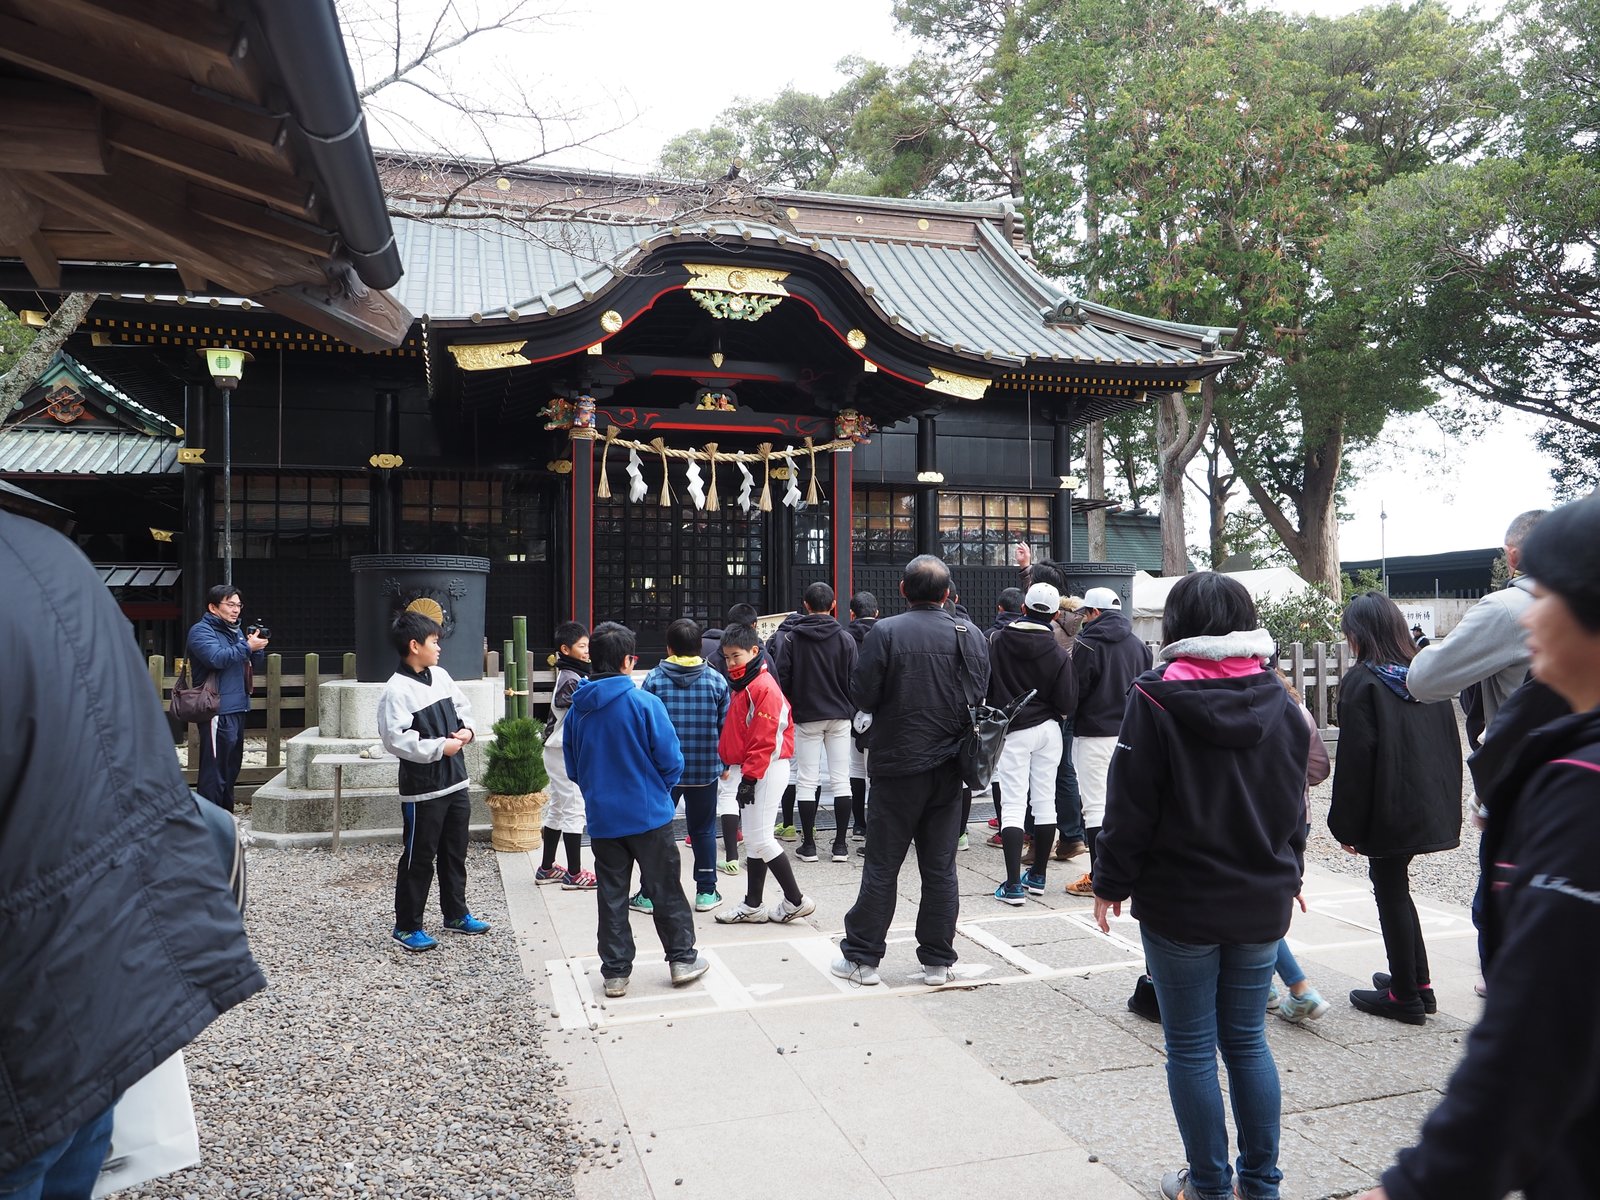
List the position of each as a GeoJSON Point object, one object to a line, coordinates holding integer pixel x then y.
{"type": "Point", "coordinates": [1522, 1109]}
{"type": "Point", "coordinates": [1396, 794]}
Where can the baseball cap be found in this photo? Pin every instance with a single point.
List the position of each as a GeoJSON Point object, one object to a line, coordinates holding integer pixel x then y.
{"type": "Point", "coordinates": [1103, 598]}
{"type": "Point", "coordinates": [1042, 598]}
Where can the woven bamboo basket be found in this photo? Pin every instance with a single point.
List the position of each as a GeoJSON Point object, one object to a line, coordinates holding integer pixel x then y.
{"type": "Point", "coordinates": [517, 822]}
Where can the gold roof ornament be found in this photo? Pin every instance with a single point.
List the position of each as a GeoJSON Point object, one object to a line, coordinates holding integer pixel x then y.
{"type": "Point", "coordinates": [488, 356]}
{"type": "Point", "coordinates": [964, 387]}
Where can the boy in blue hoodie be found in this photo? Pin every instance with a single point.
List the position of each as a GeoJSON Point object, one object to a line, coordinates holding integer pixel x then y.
{"type": "Point", "coordinates": [696, 699]}
{"type": "Point", "coordinates": [622, 752]}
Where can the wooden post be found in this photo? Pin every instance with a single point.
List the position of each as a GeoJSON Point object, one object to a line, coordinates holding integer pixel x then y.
{"type": "Point", "coordinates": [1321, 658]}
{"type": "Point", "coordinates": [350, 665]}
{"type": "Point", "coordinates": [274, 710]}
{"type": "Point", "coordinates": [158, 676]}
{"type": "Point", "coordinates": [519, 635]}
{"type": "Point", "coordinates": [491, 663]}
{"type": "Point", "coordinates": [313, 691]}
{"type": "Point", "coordinates": [1297, 669]}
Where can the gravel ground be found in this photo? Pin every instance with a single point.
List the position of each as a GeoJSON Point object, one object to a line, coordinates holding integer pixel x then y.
{"type": "Point", "coordinates": [367, 1071]}
{"type": "Point", "coordinates": [1450, 875]}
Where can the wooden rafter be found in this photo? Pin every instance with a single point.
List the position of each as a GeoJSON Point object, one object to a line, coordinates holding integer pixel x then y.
{"type": "Point", "coordinates": [116, 79]}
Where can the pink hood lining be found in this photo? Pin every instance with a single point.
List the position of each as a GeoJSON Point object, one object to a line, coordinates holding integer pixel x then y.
{"type": "Point", "coordinates": [1209, 668]}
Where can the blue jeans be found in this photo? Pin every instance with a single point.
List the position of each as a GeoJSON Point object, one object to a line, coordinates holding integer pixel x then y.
{"type": "Point", "coordinates": [700, 817]}
{"type": "Point", "coordinates": [67, 1170]}
{"type": "Point", "coordinates": [1215, 997]}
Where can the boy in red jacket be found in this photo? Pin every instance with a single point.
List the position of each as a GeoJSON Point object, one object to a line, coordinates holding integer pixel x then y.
{"type": "Point", "coordinates": [757, 734]}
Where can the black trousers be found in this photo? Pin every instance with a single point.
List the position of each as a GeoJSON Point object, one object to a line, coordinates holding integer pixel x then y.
{"type": "Point", "coordinates": [922, 810]}
{"type": "Point", "coordinates": [656, 852]}
{"type": "Point", "coordinates": [435, 831]}
{"type": "Point", "coordinates": [1397, 917]}
{"type": "Point", "coordinates": [221, 756]}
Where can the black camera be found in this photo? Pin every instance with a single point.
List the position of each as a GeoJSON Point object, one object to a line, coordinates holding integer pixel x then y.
{"type": "Point", "coordinates": [259, 629]}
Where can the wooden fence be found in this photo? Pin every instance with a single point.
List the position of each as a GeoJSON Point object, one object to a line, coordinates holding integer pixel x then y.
{"type": "Point", "coordinates": [291, 702]}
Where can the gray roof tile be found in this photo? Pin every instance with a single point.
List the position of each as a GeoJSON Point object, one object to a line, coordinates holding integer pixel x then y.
{"type": "Point", "coordinates": [979, 298]}
{"type": "Point", "coordinates": [73, 452]}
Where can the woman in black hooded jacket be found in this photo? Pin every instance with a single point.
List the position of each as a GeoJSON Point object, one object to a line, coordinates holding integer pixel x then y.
{"type": "Point", "coordinates": [1396, 794]}
{"type": "Point", "coordinates": [1522, 1110]}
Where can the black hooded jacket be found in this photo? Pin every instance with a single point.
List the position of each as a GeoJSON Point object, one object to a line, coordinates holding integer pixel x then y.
{"type": "Point", "coordinates": [1023, 655]}
{"type": "Point", "coordinates": [119, 937]}
{"type": "Point", "coordinates": [1205, 808]}
{"type": "Point", "coordinates": [1522, 1110]}
{"type": "Point", "coordinates": [1397, 777]}
{"type": "Point", "coordinates": [813, 659]}
{"type": "Point", "coordinates": [1107, 658]}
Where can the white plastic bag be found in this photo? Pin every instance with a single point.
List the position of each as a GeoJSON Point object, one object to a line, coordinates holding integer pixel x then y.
{"type": "Point", "coordinates": [152, 1130]}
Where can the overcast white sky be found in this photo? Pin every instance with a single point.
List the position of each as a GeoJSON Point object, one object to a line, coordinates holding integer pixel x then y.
{"type": "Point", "coordinates": [644, 71]}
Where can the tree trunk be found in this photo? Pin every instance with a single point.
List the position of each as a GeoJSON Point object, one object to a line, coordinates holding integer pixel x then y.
{"type": "Point", "coordinates": [1315, 542]}
{"type": "Point", "coordinates": [1177, 442]}
{"type": "Point", "coordinates": [1094, 455]}
{"type": "Point", "coordinates": [31, 362]}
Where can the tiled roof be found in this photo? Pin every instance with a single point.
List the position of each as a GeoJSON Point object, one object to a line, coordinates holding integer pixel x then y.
{"type": "Point", "coordinates": [76, 452]}
{"type": "Point", "coordinates": [981, 298]}
{"type": "Point", "coordinates": [138, 574]}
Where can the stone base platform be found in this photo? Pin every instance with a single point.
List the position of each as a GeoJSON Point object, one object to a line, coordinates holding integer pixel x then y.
{"type": "Point", "coordinates": [295, 807]}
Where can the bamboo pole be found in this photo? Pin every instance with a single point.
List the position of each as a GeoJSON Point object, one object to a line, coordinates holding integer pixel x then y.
{"type": "Point", "coordinates": [519, 635]}
{"type": "Point", "coordinates": [350, 665]}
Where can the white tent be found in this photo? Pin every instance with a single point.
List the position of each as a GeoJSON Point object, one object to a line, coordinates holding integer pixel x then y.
{"type": "Point", "coordinates": [1150, 594]}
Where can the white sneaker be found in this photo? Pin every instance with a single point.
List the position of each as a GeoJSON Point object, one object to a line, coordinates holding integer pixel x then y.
{"type": "Point", "coordinates": [935, 976]}
{"type": "Point", "coordinates": [783, 912]}
{"type": "Point", "coordinates": [858, 973]}
{"type": "Point", "coordinates": [741, 914]}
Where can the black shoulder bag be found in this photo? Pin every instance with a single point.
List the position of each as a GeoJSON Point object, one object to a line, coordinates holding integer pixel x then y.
{"type": "Point", "coordinates": [985, 737]}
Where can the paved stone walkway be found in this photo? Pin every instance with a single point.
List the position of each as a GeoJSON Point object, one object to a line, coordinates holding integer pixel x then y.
{"type": "Point", "coordinates": [1025, 1074]}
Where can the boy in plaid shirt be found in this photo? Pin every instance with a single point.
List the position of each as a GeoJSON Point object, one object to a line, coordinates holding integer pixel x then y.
{"type": "Point", "coordinates": [696, 699]}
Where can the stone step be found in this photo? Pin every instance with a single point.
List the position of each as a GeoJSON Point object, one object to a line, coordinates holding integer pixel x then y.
{"type": "Point", "coordinates": [284, 816]}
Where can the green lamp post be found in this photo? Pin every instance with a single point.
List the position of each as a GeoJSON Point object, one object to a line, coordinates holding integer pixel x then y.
{"type": "Point", "coordinates": [227, 368]}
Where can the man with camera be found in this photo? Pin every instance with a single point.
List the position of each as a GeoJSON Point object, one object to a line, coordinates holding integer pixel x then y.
{"type": "Point", "coordinates": [219, 647]}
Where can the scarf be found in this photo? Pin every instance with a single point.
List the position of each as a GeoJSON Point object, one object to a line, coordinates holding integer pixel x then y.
{"type": "Point", "coordinates": [739, 677]}
{"type": "Point", "coordinates": [577, 666]}
{"type": "Point", "coordinates": [1394, 678]}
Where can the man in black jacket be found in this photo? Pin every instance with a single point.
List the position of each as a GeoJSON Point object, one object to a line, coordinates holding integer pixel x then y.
{"type": "Point", "coordinates": [119, 938]}
{"type": "Point", "coordinates": [916, 674]}
{"type": "Point", "coordinates": [1107, 658]}
{"type": "Point", "coordinates": [813, 662]}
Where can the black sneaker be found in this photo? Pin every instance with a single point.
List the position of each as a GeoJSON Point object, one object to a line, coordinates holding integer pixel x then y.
{"type": "Point", "coordinates": [1430, 1002]}
{"type": "Point", "coordinates": [807, 852]}
{"type": "Point", "coordinates": [1382, 1003]}
{"type": "Point", "coordinates": [841, 852]}
{"type": "Point", "coordinates": [1143, 1002]}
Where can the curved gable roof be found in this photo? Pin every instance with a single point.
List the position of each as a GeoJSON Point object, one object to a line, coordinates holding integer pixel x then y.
{"type": "Point", "coordinates": [978, 298]}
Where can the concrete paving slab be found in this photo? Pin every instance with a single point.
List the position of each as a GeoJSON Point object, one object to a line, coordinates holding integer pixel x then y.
{"type": "Point", "coordinates": [1030, 1032]}
{"type": "Point", "coordinates": [820, 1026]}
{"type": "Point", "coordinates": [1017, 1175]}
{"type": "Point", "coordinates": [1124, 1117]}
{"type": "Point", "coordinates": [1368, 1135]}
{"type": "Point", "coordinates": [869, 1094]}
{"type": "Point", "coordinates": [608, 1167]}
{"type": "Point", "coordinates": [648, 1065]}
{"type": "Point", "coordinates": [798, 1156]}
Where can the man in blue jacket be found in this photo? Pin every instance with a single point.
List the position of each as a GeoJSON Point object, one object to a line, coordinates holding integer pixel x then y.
{"type": "Point", "coordinates": [218, 646]}
{"type": "Point", "coordinates": [623, 753]}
